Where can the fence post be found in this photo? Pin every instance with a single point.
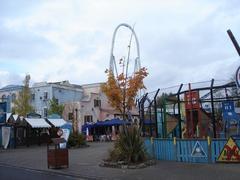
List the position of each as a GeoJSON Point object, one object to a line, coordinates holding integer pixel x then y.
{"type": "Point", "coordinates": [209, 149]}
{"type": "Point", "coordinates": [175, 147]}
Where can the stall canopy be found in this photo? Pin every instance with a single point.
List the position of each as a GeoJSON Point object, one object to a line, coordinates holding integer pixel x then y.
{"type": "Point", "coordinates": [8, 116]}
{"type": "Point", "coordinates": [115, 121]}
{"type": "Point", "coordinates": [112, 122]}
{"type": "Point", "coordinates": [67, 125]}
{"type": "Point", "coordinates": [57, 122]}
{"type": "Point", "coordinates": [15, 117]}
{"type": "Point", "coordinates": [85, 126]}
{"type": "Point", "coordinates": [37, 122]}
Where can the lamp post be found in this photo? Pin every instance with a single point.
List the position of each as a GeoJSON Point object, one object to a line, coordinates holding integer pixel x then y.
{"type": "Point", "coordinates": [75, 122]}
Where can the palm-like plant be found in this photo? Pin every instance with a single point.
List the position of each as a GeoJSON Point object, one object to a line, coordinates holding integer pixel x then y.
{"type": "Point", "coordinates": [129, 147]}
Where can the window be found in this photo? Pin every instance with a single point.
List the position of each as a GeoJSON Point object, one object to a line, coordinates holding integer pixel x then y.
{"type": "Point", "coordinates": [45, 95]}
{"type": "Point", "coordinates": [70, 116]}
{"type": "Point", "coordinates": [45, 110]}
{"type": "Point", "coordinates": [88, 119]}
{"type": "Point", "coordinates": [97, 103]}
{"type": "Point", "coordinates": [33, 97]}
{"type": "Point", "coordinates": [57, 101]}
{"type": "Point", "coordinates": [4, 98]}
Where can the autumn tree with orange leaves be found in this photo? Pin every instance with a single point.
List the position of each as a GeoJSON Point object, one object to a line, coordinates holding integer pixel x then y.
{"type": "Point", "coordinates": [122, 90]}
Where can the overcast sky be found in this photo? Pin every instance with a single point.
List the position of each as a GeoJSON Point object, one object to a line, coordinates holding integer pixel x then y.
{"type": "Point", "coordinates": [55, 40]}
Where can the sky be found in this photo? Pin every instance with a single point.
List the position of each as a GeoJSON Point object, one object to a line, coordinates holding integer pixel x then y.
{"type": "Point", "coordinates": [180, 41]}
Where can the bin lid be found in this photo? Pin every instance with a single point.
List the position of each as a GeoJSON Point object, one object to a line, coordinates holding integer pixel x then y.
{"type": "Point", "coordinates": [58, 140]}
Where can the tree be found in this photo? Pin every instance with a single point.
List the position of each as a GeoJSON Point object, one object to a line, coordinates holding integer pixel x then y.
{"type": "Point", "coordinates": [72, 108]}
{"type": "Point", "coordinates": [22, 105]}
{"type": "Point", "coordinates": [165, 96]}
{"type": "Point", "coordinates": [55, 108]}
{"type": "Point", "coordinates": [122, 89]}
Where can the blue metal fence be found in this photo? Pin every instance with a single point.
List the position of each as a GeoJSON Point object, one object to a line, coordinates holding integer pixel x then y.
{"type": "Point", "coordinates": [182, 149]}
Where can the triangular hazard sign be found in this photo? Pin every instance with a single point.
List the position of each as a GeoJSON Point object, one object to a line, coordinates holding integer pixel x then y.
{"type": "Point", "coordinates": [230, 152]}
{"type": "Point", "coordinates": [198, 151]}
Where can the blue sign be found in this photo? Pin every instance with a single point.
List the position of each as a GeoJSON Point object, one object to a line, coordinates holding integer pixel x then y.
{"type": "Point", "coordinates": [198, 150]}
{"type": "Point", "coordinates": [229, 111]}
{"type": "Point", "coordinates": [3, 109]}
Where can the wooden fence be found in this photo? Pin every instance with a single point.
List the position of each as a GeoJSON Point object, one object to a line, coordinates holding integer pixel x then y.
{"type": "Point", "coordinates": [182, 149]}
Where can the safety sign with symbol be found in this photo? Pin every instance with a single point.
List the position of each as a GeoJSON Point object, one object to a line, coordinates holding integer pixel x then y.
{"type": "Point", "coordinates": [230, 152]}
{"type": "Point", "coordinates": [198, 150]}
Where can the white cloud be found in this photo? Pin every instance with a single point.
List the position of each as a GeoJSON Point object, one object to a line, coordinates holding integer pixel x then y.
{"type": "Point", "coordinates": [180, 41]}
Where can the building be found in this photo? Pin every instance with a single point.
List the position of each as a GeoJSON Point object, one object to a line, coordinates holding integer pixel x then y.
{"type": "Point", "coordinates": [93, 107]}
{"type": "Point", "coordinates": [86, 103]}
{"type": "Point", "coordinates": [63, 92]}
{"type": "Point", "coordinates": [9, 94]}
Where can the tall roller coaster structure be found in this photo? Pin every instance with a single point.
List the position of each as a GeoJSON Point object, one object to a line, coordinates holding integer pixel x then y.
{"type": "Point", "coordinates": [112, 64]}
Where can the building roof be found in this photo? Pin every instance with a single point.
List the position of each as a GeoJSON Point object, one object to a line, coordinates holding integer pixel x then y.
{"type": "Point", "coordinates": [66, 83]}
{"type": "Point", "coordinates": [60, 85]}
{"type": "Point", "coordinates": [11, 87]}
{"type": "Point", "coordinates": [92, 84]}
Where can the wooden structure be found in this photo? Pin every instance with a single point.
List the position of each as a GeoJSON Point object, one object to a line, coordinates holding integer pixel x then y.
{"type": "Point", "coordinates": [57, 157]}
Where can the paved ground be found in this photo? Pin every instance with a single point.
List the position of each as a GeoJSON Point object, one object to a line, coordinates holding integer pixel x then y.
{"type": "Point", "coordinates": [10, 173]}
{"type": "Point", "coordinates": [84, 165]}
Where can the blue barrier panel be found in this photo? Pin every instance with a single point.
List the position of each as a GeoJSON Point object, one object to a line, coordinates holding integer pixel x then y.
{"type": "Point", "coordinates": [164, 149]}
{"type": "Point", "coordinates": [216, 148]}
{"type": "Point", "coordinates": [186, 150]}
{"type": "Point", "coordinates": [148, 146]}
{"type": "Point", "coordinates": [183, 151]}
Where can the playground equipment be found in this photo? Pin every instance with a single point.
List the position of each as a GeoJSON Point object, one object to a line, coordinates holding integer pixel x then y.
{"type": "Point", "coordinates": [186, 112]}
{"type": "Point", "coordinates": [193, 110]}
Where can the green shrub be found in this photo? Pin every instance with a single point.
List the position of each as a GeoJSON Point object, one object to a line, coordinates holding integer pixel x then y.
{"type": "Point", "coordinates": [129, 147]}
{"type": "Point", "coordinates": [76, 140]}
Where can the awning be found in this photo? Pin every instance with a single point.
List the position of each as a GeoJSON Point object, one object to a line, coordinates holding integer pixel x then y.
{"type": "Point", "coordinates": [15, 117]}
{"type": "Point", "coordinates": [68, 125]}
{"type": "Point", "coordinates": [8, 116]}
{"type": "Point", "coordinates": [115, 121]}
{"type": "Point", "coordinates": [37, 122]}
{"type": "Point", "coordinates": [57, 122]}
{"type": "Point", "coordinates": [112, 122]}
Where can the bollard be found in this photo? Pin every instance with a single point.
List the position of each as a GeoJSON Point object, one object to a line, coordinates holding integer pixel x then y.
{"type": "Point", "coordinates": [209, 150]}
{"type": "Point", "coordinates": [175, 147]}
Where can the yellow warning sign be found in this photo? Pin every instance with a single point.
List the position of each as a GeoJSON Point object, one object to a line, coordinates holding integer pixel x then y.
{"type": "Point", "coordinates": [230, 152]}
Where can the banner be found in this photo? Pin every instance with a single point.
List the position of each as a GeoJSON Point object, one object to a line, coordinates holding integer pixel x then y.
{"type": "Point", "coordinates": [3, 109]}
{"type": "Point", "coordinates": [6, 131]}
{"type": "Point", "coordinates": [65, 135]}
